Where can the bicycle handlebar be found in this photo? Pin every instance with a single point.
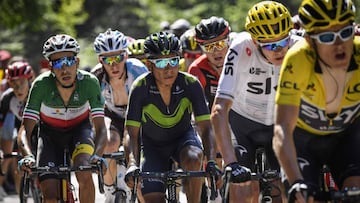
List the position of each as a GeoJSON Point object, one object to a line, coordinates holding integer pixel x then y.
{"type": "Point", "coordinates": [174, 175]}
{"type": "Point", "coordinates": [65, 170]}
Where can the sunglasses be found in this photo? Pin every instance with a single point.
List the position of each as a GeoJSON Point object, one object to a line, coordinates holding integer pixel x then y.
{"type": "Point", "coordinates": [219, 45]}
{"type": "Point", "coordinates": [163, 62]}
{"type": "Point", "coordinates": [67, 61]}
{"type": "Point", "coordinates": [274, 46]}
{"type": "Point", "coordinates": [329, 38]}
{"type": "Point", "coordinates": [110, 60]}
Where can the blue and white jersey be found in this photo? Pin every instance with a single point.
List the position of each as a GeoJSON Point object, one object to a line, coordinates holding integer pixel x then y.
{"type": "Point", "coordinates": [134, 68]}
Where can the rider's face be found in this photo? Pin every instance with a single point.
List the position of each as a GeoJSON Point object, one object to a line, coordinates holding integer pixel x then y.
{"type": "Point", "coordinates": [65, 73]}
{"type": "Point", "coordinates": [20, 87]}
{"type": "Point", "coordinates": [275, 56]}
{"type": "Point", "coordinates": [338, 54]}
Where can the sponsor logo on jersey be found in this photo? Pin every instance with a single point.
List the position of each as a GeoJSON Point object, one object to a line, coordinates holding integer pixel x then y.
{"type": "Point", "coordinates": [256, 71]}
{"type": "Point", "coordinates": [261, 87]}
{"type": "Point", "coordinates": [248, 51]}
{"type": "Point", "coordinates": [318, 120]}
{"type": "Point", "coordinates": [288, 68]}
{"type": "Point", "coordinates": [229, 65]}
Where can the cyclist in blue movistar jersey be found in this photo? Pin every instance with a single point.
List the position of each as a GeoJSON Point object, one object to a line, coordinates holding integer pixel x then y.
{"type": "Point", "coordinates": [160, 107]}
{"type": "Point", "coordinates": [61, 101]}
{"type": "Point", "coordinates": [116, 73]}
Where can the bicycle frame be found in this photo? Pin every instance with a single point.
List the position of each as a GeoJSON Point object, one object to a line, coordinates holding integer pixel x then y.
{"type": "Point", "coordinates": [262, 174]}
{"type": "Point", "coordinates": [120, 194]}
{"type": "Point", "coordinates": [64, 172]}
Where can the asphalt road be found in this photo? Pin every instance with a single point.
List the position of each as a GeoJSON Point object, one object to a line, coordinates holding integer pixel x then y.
{"type": "Point", "coordinates": [100, 198]}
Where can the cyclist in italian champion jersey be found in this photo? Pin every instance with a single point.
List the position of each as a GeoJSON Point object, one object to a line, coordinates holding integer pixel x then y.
{"type": "Point", "coordinates": [160, 108]}
{"type": "Point", "coordinates": [212, 35]}
{"type": "Point", "coordinates": [62, 101]}
{"type": "Point", "coordinates": [116, 73]}
{"type": "Point", "coordinates": [19, 76]}
{"type": "Point", "coordinates": [318, 102]}
{"type": "Point", "coordinates": [246, 92]}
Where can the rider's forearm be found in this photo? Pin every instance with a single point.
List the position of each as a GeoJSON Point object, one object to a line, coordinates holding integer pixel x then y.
{"type": "Point", "coordinates": [23, 140]}
{"type": "Point", "coordinates": [209, 144]}
{"type": "Point", "coordinates": [134, 146]}
{"type": "Point", "coordinates": [223, 136]}
{"type": "Point", "coordinates": [285, 151]}
{"type": "Point", "coordinates": [100, 141]}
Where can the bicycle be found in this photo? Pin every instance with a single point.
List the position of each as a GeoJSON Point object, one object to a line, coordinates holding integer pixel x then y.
{"type": "Point", "coordinates": [34, 187]}
{"type": "Point", "coordinates": [329, 191]}
{"type": "Point", "coordinates": [121, 195]}
{"type": "Point", "coordinates": [64, 171]}
{"type": "Point", "coordinates": [262, 173]}
{"type": "Point", "coordinates": [169, 178]}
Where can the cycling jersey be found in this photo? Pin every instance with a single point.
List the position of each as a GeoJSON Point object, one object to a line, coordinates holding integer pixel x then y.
{"type": "Point", "coordinates": [301, 85]}
{"type": "Point", "coordinates": [45, 103]}
{"type": "Point", "coordinates": [207, 76]}
{"type": "Point", "coordinates": [133, 68]}
{"type": "Point", "coordinates": [162, 123]}
{"type": "Point", "coordinates": [249, 81]}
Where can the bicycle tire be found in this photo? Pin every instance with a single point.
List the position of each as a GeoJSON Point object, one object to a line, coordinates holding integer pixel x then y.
{"type": "Point", "coordinates": [34, 193]}
{"type": "Point", "coordinates": [120, 197]}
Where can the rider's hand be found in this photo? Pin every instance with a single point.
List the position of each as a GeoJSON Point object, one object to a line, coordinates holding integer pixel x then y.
{"type": "Point", "coordinates": [26, 162]}
{"type": "Point", "coordinates": [129, 175]}
{"type": "Point", "coordinates": [213, 169]}
{"type": "Point", "coordinates": [239, 174]}
{"type": "Point", "coordinates": [95, 159]}
{"type": "Point", "coordinates": [298, 191]}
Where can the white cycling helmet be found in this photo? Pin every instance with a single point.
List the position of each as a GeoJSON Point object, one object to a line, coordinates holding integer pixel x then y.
{"type": "Point", "coordinates": [110, 41]}
{"type": "Point", "coordinates": [60, 43]}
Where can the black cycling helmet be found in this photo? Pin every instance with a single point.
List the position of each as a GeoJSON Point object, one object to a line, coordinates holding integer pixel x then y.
{"type": "Point", "coordinates": [211, 28]}
{"type": "Point", "coordinates": [161, 43]}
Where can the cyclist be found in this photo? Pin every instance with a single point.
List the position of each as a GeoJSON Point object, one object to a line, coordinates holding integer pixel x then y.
{"type": "Point", "coordinates": [61, 101]}
{"type": "Point", "coordinates": [246, 92]}
{"type": "Point", "coordinates": [189, 48]}
{"type": "Point", "coordinates": [136, 50]}
{"type": "Point", "coordinates": [160, 106]}
{"type": "Point", "coordinates": [179, 26]}
{"type": "Point", "coordinates": [116, 72]}
{"type": "Point", "coordinates": [317, 103]}
{"type": "Point", "coordinates": [19, 76]}
{"type": "Point", "coordinates": [212, 35]}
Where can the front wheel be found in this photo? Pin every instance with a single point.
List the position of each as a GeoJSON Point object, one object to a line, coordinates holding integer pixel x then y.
{"type": "Point", "coordinates": [121, 197]}
{"type": "Point", "coordinates": [34, 192]}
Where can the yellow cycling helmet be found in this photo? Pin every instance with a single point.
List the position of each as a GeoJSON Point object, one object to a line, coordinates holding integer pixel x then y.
{"type": "Point", "coordinates": [137, 47]}
{"type": "Point", "coordinates": [268, 20]}
{"type": "Point", "coordinates": [322, 14]}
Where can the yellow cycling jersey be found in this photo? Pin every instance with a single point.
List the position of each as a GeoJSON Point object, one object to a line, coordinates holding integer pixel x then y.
{"type": "Point", "coordinates": [300, 84]}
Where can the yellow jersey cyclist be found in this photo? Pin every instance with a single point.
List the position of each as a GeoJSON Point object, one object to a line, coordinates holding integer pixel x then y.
{"type": "Point", "coordinates": [246, 92]}
{"type": "Point", "coordinates": [318, 103]}
{"type": "Point", "coordinates": [159, 113]}
{"type": "Point", "coordinates": [62, 101]}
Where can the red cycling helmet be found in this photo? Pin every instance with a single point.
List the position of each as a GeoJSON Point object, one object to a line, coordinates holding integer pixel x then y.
{"type": "Point", "coordinates": [18, 70]}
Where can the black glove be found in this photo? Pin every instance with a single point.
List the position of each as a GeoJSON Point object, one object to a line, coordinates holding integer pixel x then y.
{"type": "Point", "coordinates": [239, 174]}
{"type": "Point", "coordinates": [213, 169]}
{"type": "Point", "coordinates": [131, 172]}
{"type": "Point", "coordinates": [298, 186]}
